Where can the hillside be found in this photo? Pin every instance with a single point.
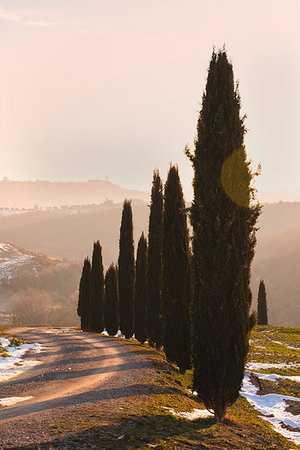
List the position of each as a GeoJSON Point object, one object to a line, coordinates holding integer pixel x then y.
{"type": "Point", "coordinates": [277, 261]}
{"type": "Point", "coordinates": [37, 289]}
{"type": "Point", "coordinates": [70, 232]}
{"type": "Point", "coordinates": [29, 194]}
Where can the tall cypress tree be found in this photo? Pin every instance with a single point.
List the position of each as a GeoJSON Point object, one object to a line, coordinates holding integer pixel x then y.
{"type": "Point", "coordinates": [154, 262]}
{"type": "Point", "coordinates": [111, 301]}
{"type": "Point", "coordinates": [140, 299]}
{"type": "Point", "coordinates": [126, 271]}
{"type": "Point", "coordinates": [83, 309]}
{"type": "Point", "coordinates": [262, 309]}
{"type": "Point", "coordinates": [97, 291]}
{"type": "Point", "coordinates": [223, 221]}
{"type": "Point", "coordinates": [175, 274]}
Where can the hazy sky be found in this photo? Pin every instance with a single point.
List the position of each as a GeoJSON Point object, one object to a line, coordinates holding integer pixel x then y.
{"type": "Point", "coordinates": [94, 88]}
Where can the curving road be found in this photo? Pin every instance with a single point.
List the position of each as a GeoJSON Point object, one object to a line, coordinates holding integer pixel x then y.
{"type": "Point", "coordinates": [74, 369]}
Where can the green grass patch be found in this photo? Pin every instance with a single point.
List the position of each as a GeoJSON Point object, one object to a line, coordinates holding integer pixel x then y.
{"type": "Point", "coordinates": [15, 341]}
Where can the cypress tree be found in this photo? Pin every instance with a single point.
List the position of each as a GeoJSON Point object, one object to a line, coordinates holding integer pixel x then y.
{"type": "Point", "coordinates": [83, 309]}
{"type": "Point", "coordinates": [111, 300]}
{"type": "Point", "coordinates": [126, 271]}
{"type": "Point", "coordinates": [262, 309]}
{"type": "Point", "coordinates": [175, 274]}
{"type": "Point", "coordinates": [154, 262]}
{"type": "Point", "coordinates": [223, 221]}
{"type": "Point", "coordinates": [140, 300]}
{"type": "Point", "coordinates": [97, 291]}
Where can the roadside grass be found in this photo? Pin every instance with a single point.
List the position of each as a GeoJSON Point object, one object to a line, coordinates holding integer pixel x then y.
{"type": "Point", "coordinates": [14, 341]}
{"type": "Point", "coordinates": [141, 420]}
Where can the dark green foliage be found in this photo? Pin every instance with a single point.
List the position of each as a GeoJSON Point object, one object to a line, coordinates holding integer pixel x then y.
{"type": "Point", "coordinates": [126, 271]}
{"type": "Point", "coordinates": [140, 299]}
{"type": "Point", "coordinates": [97, 291]}
{"type": "Point", "coordinates": [175, 275]}
{"type": "Point", "coordinates": [223, 221]}
{"type": "Point", "coordinates": [111, 319]}
{"type": "Point", "coordinates": [83, 309]}
{"type": "Point", "coordinates": [154, 262]}
{"type": "Point", "coordinates": [262, 309]}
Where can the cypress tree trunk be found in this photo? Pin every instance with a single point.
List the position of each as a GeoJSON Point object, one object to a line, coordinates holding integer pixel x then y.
{"type": "Point", "coordinates": [223, 221]}
{"type": "Point", "coordinates": [97, 291]}
{"type": "Point", "coordinates": [140, 301]}
{"type": "Point", "coordinates": [154, 262]}
{"type": "Point", "coordinates": [175, 275]}
{"type": "Point", "coordinates": [111, 301]}
{"type": "Point", "coordinates": [126, 271]}
{"type": "Point", "coordinates": [83, 309]}
{"type": "Point", "coordinates": [262, 310]}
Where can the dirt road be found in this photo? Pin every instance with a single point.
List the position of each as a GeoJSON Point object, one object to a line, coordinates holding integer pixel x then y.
{"type": "Point", "coordinates": [76, 370]}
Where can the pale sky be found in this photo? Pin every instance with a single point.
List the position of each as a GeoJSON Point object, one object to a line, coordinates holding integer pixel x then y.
{"type": "Point", "coordinates": [94, 88]}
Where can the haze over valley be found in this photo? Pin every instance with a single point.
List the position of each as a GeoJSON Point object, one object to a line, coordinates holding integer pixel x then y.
{"type": "Point", "coordinates": [69, 231]}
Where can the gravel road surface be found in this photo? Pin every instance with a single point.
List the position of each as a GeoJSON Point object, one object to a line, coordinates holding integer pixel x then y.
{"type": "Point", "coordinates": [76, 372]}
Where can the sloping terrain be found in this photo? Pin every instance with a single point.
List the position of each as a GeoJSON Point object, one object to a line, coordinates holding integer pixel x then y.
{"type": "Point", "coordinates": [144, 402]}
{"type": "Point", "coordinates": [11, 258]}
{"type": "Point", "coordinates": [36, 289]}
{"type": "Point", "coordinates": [70, 232]}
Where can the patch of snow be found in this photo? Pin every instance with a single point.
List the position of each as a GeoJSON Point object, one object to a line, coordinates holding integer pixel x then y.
{"type": "Point", "coordinates": [293, 348]}
{"type": "Point", "coordinates": [9, 401]}
{"type": "Point", "coordinates": [274, 377]}
{"type": "Point", "coordinates": [58, 331]}
{"type": "Point", "coordinates": [13, 365]}
{"type": "Point", "coordinates": [283, 343]}
{"type": "Point", "coordinates": [277, 342]}
{"type": "Point", "coordinates": [192, 392]}
{"type": "Point", "coordinates": [195, 414]}
{"type": "Point", "coordinates": [258, 366]}
{"type": "Point", "coordinates": [10, 258]}
{"type": "Point", "coordinates": [273, 409]}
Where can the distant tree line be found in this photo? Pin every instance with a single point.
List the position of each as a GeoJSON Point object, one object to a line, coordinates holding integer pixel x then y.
{"type": "Point", "coordinates": [194, 301]}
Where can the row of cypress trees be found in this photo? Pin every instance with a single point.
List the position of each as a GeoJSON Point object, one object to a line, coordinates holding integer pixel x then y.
{"type": "Point", "coordinates": [162, 288]}
{"type": "Point", "coordinates": [217, 276]}
{"type": "Point", "coordinates": [154, 292]}
{"type": "Point", "coordinates": [98, 297]}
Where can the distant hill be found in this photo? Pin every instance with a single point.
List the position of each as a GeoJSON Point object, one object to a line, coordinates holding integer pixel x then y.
{"type": "Point", "coordinates": [70, 232]}
{"type": "Point", "coordinates": [277, 261]}
{"type": "Point", "coordinates": [29, 194]}
{"type": "Point", "coordinates": [37, 289]}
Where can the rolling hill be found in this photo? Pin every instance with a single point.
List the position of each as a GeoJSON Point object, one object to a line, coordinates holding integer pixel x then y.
{"type": "Point", "coordinates": [70, 231]}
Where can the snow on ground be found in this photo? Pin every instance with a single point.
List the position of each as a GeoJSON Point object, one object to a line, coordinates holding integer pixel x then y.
{"type": "Point", "coordinates": [195, 414]}
{"type": "Point", "coordinates": [273, 409]}
{"type": "Point", "coordinates": [9, 401]}
{"type": "Point", "coordinates": [63, 330]}
{"type": "Point", "coordinates": [10, 258]}
{"type": "Point", "coordinates": [259, 366]}
{"type": "Point", "coordinates": [280, 343]}
{"type": "Point", "coordinates": [275, 376]}
{"type": "Point", "coordinates": [14, 364]}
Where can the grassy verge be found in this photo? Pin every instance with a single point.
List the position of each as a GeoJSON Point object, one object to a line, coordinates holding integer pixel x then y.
{"type": "Point", "coordinates": [14, 341]}
{"type": "Point", "coordinates": [141, 420]}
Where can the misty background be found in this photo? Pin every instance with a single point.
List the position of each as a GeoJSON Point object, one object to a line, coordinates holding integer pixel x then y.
{"type": "Point", "coordinates": [96, 94]}
{"type": "Point", "coordinates": [61, 237]}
